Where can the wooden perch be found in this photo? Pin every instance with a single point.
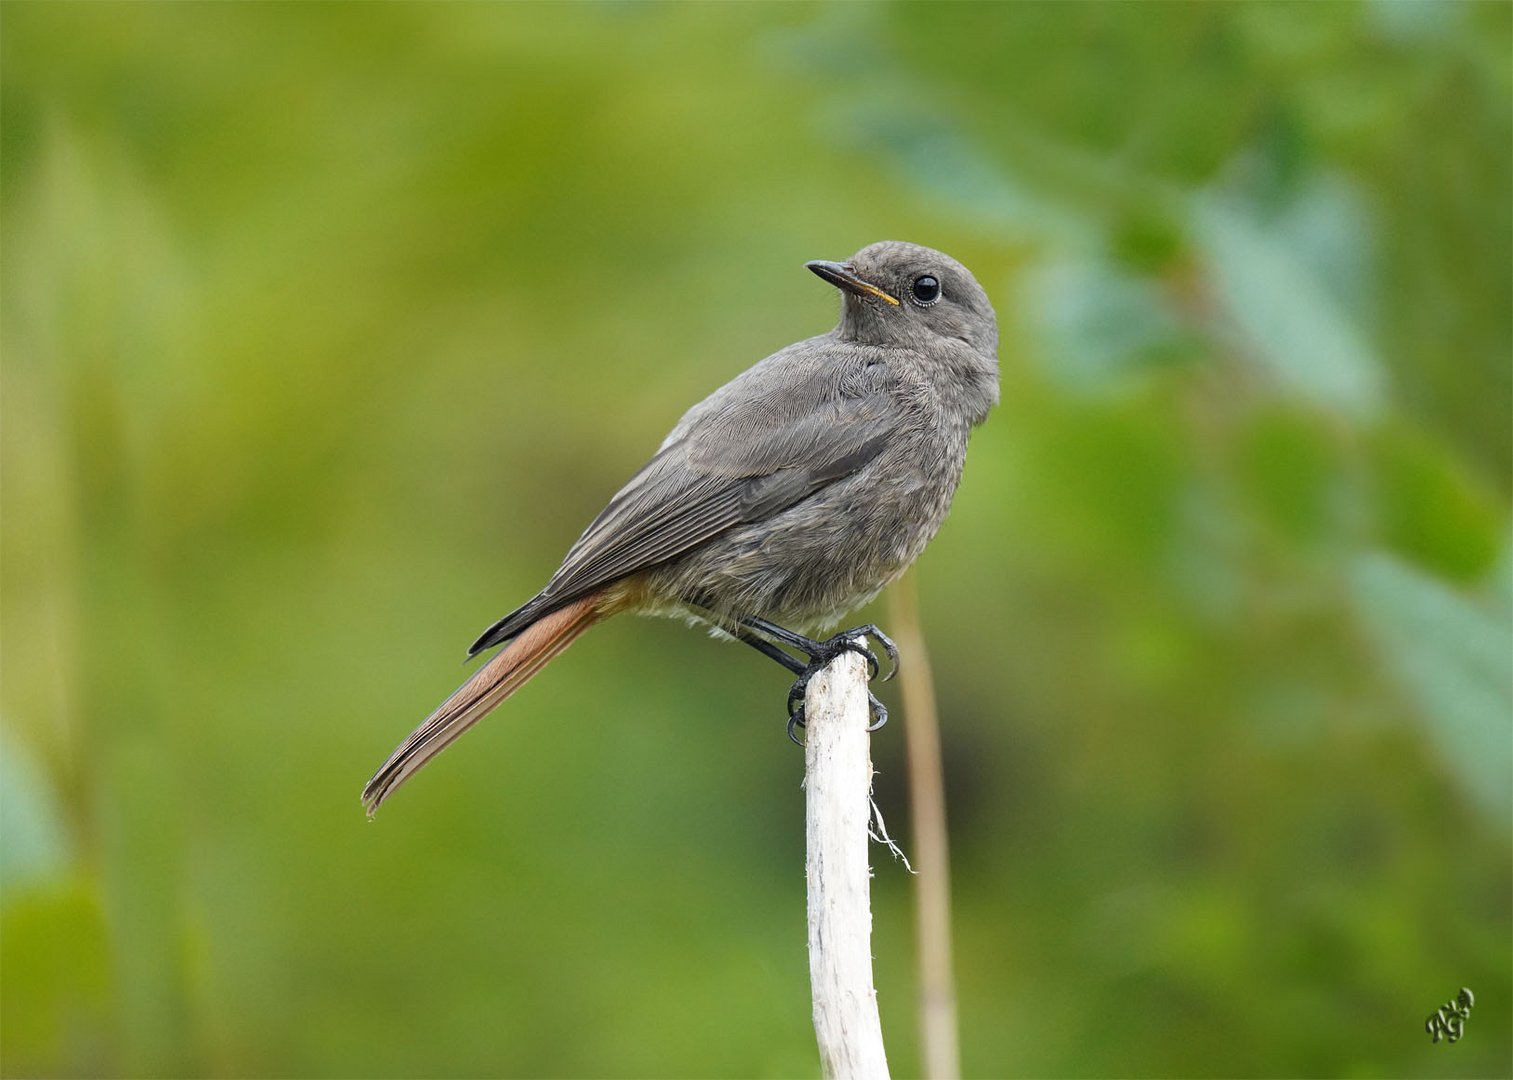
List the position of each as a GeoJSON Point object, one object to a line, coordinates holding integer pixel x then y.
{"type": "Point", "coordinates": [838, 790]}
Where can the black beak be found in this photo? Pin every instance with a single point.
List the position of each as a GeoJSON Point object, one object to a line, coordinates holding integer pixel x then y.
{"type": "Point", "coordinates": [843, 277]}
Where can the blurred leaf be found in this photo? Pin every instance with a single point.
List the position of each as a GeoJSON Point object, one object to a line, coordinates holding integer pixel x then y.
{"type": "Point", "coordinates": [1456, 657]}
{"type": "Point", "coordinates": [33, 841]}
{"type": "Point", "coordinates": [1287, 314]}
{"type": "Point", "coordinates": [1433, 511]}
{"type": "Point", "coordinates": [1098, 324]}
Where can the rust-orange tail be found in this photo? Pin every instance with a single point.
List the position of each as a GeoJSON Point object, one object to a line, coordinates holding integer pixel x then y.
{"type": "Point", "coordinates": [507, 672]}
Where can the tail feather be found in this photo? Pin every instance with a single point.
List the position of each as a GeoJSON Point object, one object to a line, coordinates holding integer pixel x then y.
{"type": "Point", "coordinates": [507, 672]}
{"type": "Point", "coordinates": [508, 626]}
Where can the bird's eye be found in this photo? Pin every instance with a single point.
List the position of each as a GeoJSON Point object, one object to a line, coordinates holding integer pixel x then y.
{"type": "Point", "coordinates": [926, 290]}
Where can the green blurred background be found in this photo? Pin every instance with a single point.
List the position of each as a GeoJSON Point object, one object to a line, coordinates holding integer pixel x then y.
{"type": "Point", "coordinates": [326, 328]}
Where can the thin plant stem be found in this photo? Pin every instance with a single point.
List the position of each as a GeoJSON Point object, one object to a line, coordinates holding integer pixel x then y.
{"type": "Point", "coordinates": [941, 1051]}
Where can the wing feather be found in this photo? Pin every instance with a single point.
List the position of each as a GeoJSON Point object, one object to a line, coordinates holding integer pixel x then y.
{"type": "Point", "coordinates": [742, 455]}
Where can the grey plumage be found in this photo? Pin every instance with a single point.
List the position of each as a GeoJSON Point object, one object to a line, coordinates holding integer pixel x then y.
{"type": "Point", "coordinates": [871, 420]}
{"type": "Point", "coordinates": [800, 488]}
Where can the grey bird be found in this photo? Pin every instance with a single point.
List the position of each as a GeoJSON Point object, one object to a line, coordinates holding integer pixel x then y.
{"type": "Point", "coordinates": [787, 498]}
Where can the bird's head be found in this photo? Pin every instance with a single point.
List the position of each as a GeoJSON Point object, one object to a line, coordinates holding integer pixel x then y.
{"type": "Point", "coordinates": [912, 296]}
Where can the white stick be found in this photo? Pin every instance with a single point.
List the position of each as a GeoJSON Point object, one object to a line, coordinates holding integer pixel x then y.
{"type": "Point", "coordinates": [838, 787]}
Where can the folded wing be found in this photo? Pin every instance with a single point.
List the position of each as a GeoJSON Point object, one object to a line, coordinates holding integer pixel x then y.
{"type": "Point", "coordinates": [739, 457]}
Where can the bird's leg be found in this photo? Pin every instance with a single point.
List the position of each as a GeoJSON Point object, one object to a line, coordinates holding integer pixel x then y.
{"type": "Point", "coordinates": [768, 649]}
{"type": "Point", "coordinates": [820, 653]}
{"type": "Point", "coordinates": [793, 664]}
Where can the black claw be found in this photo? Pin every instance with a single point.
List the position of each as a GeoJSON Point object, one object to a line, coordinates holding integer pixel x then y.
{"type": "Point", "coordinates": [886, 642]}
{"type": "Point", "coordinates": [845, 643]}
{"type": "Point", "coordinates": [852, 641]}
{"type": "Point", "coordinates": [818, 654]}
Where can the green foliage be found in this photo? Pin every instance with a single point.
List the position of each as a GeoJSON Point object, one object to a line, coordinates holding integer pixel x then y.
{"type": "Point", "coordinates": [326, 328]}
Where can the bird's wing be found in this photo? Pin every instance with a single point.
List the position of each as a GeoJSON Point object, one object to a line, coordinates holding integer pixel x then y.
{"type": "Point", "coordinates": [740, 456]}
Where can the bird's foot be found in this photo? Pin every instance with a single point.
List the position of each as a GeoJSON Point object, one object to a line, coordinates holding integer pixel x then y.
{"type": "Point", "coordinates": [796, 714]}
{"type": "Point", "coordinates": [821, 653]}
